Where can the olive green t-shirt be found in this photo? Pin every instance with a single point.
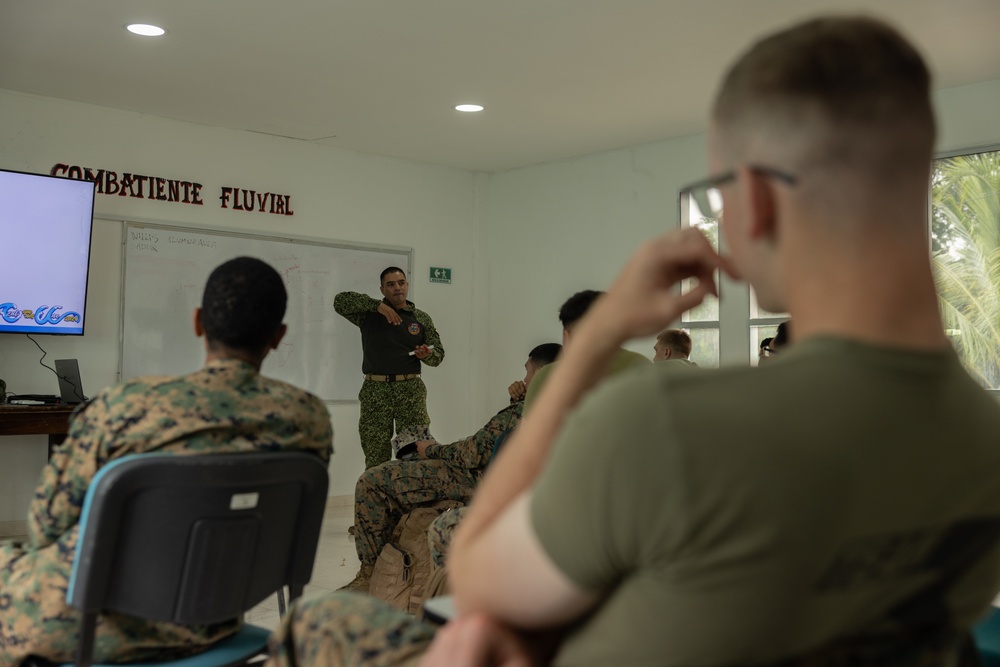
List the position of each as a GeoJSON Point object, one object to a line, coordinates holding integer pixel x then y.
{"type": "Point", "coordinates": [624, 359]}
{"type": "Point", "coordinates": [740, 516]}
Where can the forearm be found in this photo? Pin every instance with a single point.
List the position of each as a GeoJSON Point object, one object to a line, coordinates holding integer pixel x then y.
{"type": "Point", "coordinates": [431, 339]}
{"type": "Point", "coordinates": [583, 362]}
{"type": "Point", "coordinates": [354, 305]}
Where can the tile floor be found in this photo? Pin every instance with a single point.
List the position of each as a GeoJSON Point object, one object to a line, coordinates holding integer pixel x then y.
{"type": "Point", "coordinates": [336, 564]}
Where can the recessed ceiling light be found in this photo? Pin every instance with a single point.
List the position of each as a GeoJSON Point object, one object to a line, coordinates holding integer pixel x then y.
{"type": "Point", "coordinates": [145, 29]}
{"type": "Point", "coordinates": [469, 107]}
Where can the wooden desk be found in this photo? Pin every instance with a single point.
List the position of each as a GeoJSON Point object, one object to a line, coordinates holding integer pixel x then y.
{"type": "Point", "coordinates": [50, 420]}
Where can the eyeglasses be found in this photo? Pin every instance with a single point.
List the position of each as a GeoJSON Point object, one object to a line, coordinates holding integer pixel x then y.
{"type": "Point", "coordinates": [708, 196]}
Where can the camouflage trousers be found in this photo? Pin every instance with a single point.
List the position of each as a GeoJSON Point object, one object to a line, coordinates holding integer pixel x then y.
{"type": "Point", "coordinates": [348, 629]}
{"type": "Point", "coordinates": [439, 534]}
{"type": "Point", "coordinates": [386, 492]}
{"type": "Point", "coordinates": [35, 618]}
{"type": "Point", "coordinates": [384, 404]}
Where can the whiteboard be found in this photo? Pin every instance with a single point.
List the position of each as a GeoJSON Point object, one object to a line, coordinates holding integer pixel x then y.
{"type": "Point", "coordinates": [164, 270]}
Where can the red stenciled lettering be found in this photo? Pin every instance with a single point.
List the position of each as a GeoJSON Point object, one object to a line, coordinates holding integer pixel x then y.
{"type": "Point", "coordinates": [97, 178]}
{"type": "Point", "coordinates": [196, 194]}
{"type": "Point", "coordinates": [261, 198]}
{"type": "Point", "coordinates": [288, 205]}
{"type": "Point", "coordinates": [161, 188]}
{"type": "Point", "coordinates": [110, 183]}
{"type": "Point", "coordinates": [58, 169]}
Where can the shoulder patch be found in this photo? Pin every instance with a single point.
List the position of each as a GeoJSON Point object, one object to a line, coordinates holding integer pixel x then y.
{"type": "Point", "coordinates": [414, 328]}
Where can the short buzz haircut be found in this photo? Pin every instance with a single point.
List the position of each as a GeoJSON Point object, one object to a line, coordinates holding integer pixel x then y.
{"type": "Point", "coordinates": [575, 307]}
{"type": "Point", "coordinates": [243, 304]}
{"type": "Point", "coordinates": [677, 340]}
{"type": "Point", "coordinates": [391, 269]}
{"type": "Point", "coordinates": [544, 354]}
{"type": "Point", "coordinates": [854, 89]}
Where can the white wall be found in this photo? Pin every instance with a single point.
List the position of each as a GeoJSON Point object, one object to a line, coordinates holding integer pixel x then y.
{"type": "Point", "coordinates": [519, 241]}
{"type": "Point", "coordinates": [561, 227]}
{"type": "Point", "coordinates": [338, 195]}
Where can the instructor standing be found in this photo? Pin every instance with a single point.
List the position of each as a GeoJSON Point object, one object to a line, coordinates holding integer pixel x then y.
{"type": "Point", "coordinates": [396, 337]}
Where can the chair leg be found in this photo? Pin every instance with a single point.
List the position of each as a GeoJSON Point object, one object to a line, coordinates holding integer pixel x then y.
{"type": "Point", "coordinates": [281, 602]}
{"type": "Point", "coordinates": [85, 650]}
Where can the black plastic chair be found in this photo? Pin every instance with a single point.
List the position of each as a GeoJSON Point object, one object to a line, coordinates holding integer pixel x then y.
{"type": "Point", "coordinates": [197, 539]}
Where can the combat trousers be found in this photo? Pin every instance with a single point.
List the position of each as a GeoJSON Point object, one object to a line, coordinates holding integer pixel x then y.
{"type": "Point", "coordinates": [386, 492]}
{"type": "Point", "coordinates": [384, 404]}
{"type": "Point", "coordinates": [439, 534]}
{"type": "Point", "coordinates": [348, 630]}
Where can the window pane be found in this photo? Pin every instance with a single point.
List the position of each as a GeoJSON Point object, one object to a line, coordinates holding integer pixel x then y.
{"type": "Point", "coordinates": [758, 334]}
{"type": "Point", "coordinates": [708, 311]}
{"type": "Point", "coordinates": [705, 347]}
{"type": "Point", "coordinates": [965, 249]}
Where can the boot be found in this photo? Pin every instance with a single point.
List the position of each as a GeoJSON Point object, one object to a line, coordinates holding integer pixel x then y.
{"type": "Point", "coordinates": [361, 582]}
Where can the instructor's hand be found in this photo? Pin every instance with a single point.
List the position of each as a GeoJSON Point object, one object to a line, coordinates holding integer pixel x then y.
{"type": "Point", "coordinates": [422, 351]}
{"type": "Point", "coordinates": [390, 315]}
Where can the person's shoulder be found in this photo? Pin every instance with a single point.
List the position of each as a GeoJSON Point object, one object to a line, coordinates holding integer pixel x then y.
{"type": "Point", "coordinates": [281, 391]}
{"type": "Point", "coordinates": [419, 314]}
{"type": "Point", "coordinates": [628, 358]}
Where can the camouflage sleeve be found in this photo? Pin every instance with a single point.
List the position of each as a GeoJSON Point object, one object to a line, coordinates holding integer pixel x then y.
{"type": "Point", "coordinates": [58, 499]}
{"type": "Point", "coordinates": [431, 337]}
{"type": "Point", "coordinates": [353, 306]}
{"type": "Point", "coordinates": [475, 451]}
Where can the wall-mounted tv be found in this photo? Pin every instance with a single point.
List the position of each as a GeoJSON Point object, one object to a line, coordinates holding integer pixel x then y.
{"type": "Point", "coordinates": [45, 234]}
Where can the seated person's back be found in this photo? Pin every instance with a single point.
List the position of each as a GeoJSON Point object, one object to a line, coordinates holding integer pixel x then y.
{"type": "Point", "coordinates": [225, 407]}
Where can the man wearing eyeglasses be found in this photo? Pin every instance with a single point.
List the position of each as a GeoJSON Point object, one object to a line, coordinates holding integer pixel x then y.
{"type": "Point", "coordinates": [666, 519]}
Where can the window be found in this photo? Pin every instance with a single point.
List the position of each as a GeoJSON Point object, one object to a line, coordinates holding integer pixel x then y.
{"type": "Point", "coordinates": [702, 322]}
{"type": "Point", "coordinates": [763, 324]}
{"type": "Point", "coordinates": [965, 253]}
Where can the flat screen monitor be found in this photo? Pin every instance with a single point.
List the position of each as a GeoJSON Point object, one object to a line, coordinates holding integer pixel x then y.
{"type": "Point", "coordinates": [45, 235]}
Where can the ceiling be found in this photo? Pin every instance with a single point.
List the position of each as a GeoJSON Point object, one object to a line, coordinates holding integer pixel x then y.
{"type": "Point", "coordinates": [558, 78]}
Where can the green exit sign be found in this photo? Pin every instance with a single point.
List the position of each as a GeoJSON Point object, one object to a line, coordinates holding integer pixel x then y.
{"type": "Point", "coordinates": [440, 275]}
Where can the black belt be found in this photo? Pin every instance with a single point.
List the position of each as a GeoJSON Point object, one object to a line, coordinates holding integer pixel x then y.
{"type": "Point", "coordinates": [392, 378]}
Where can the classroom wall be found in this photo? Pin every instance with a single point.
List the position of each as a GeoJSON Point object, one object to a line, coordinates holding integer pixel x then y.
{"type": "Point", "coordinates": [519, 241]}
{"type": "Point", "coordinates": [561, 227]}
{"type": "Point", "coordinates": [336, 194]}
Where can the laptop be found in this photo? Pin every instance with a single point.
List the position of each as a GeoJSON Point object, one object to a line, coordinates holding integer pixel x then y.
{"type": "Point", "coordinates": [70, 386]}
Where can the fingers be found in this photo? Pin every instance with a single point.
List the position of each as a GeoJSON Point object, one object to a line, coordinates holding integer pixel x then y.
{"type": "Point", "coordinates": [391, 316]}
{"type": "Point", "coordinates": [517, 390]}
{"type": "Point", "coordinates": [476, 641]}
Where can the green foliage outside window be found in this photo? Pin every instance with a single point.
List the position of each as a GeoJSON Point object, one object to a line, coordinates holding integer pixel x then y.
{"type": "Point", "coordinates": [965, 248]}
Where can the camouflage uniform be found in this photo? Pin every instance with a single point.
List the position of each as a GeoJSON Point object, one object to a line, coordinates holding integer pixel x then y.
{"type": "Point", "coordinates": [342, 629]}
{"type": "Point", "coordinates": [352, 630]}
{"type": "Point", "coordinates": [439, 534]}
{"type": "Point", "coordinates": [386, 352]}
{"type": "Point", "coordinates": [225, 407]}
{"type": "Point", "coordinates": [386, 492]}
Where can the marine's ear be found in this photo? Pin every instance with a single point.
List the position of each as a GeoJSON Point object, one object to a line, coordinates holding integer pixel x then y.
{"type": "Point", "coordinates": [278, 335]}
{"type": "Point", "coordinates": [758, 190]}
{"type": "Point", "coordinates": [199, 329]}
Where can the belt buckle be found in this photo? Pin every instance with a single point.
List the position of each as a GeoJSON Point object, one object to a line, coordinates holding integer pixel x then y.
{"type": "Point", "coordinates": [390, 378]}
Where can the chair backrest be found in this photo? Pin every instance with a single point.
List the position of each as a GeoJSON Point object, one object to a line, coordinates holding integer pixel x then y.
{"type": "Point", "coordinates": [197, 538]}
